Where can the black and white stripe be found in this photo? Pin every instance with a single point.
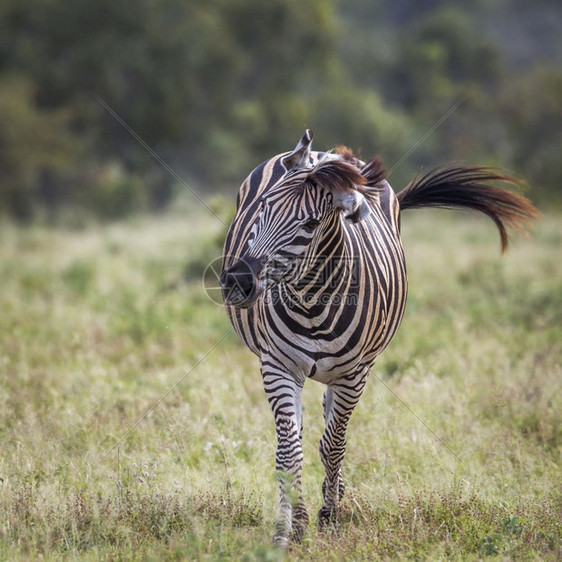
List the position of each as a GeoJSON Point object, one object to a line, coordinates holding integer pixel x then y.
{"type": "Point", "coordinates": [315, 284]}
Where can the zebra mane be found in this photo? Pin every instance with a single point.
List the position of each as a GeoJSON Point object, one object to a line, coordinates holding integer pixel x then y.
{"type": "Point", "coordinates": [336, 174]}
{"type": "Point", "coordinates": [374, 172]}
{"type": "Point", "coordinates": [347, 154]}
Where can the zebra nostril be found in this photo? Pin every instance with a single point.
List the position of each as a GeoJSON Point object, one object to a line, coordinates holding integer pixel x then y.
{"type": "Point", "coordinates": [246, 283]}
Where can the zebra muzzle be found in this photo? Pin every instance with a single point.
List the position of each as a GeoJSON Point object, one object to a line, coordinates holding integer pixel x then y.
{"type": "Point", "coordinates": [240, 282]}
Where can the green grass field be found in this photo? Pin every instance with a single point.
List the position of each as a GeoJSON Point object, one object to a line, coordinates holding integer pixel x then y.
{"type": "Point", "coordinates": [454, 451]}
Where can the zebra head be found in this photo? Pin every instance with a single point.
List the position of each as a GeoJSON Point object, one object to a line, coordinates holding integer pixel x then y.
{"type": "Point", "coordinates": [295, 217]}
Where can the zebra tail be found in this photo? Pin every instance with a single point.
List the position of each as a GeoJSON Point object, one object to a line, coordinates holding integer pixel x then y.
{"type": "Point", "coordinates": [471, 187]}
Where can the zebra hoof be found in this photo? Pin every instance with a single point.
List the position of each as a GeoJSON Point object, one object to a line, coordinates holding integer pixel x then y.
{"type": "Point", "coordinates": [299, 531]}
{"type": "Point", "coordinates": [300, 524]}
{"type": "Point", "coordinates": [327, 517]}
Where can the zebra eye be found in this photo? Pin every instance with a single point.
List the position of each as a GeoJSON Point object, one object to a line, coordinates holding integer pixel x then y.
{"type": "Point", "coordinates": [311, 224]}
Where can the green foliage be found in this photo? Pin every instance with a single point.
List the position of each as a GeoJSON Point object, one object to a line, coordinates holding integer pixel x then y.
{"type": "Point", "coordinates": [533, 114]}
{"type": "Point", "coordinates": [215, 88]}
{"type": "Point", "coordinates": [185, 76]}
{"type": "Point", "coordinates": [442, 55]}
{"type": "Point", "coordinates": [113, 193]}
{"type": "Point", "coordinates": [36, 148]}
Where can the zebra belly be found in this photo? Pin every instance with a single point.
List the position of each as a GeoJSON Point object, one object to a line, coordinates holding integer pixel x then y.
{"type": "Point", "coordinates": [304, 357]}
{"type": "Point", "coordinates": [321, 366]}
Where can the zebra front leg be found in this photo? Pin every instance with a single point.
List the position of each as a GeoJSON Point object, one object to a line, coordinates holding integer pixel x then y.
{"type": "Point", "coordinates": [284, 395]}
{"type": "Point", "coordinates": [339, 402]}
{"type": "Point", "coordinates": [299, 515]}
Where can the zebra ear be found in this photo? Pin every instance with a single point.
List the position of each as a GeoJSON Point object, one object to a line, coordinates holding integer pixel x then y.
{"type": "Point", "coordinates": [353, 204]}
{"type": "Point", "coordinates": [299, 157]}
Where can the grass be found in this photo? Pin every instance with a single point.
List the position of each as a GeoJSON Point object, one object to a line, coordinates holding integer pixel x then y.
{"type": "Point", "coordinates": [454, 451]}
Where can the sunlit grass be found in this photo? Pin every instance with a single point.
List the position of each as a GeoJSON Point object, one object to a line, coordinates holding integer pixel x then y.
{"type": "Point", "coordinates": [453, 452]}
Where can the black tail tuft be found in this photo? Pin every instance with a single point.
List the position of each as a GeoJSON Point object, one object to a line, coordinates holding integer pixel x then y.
{"type": "Point", "coordinates": [471, 187]}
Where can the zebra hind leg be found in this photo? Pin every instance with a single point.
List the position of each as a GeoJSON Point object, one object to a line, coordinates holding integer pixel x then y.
{"type": "Point", "coordinates": [284, 395]}
{"type": "Point", "coordinates": [339, 402]}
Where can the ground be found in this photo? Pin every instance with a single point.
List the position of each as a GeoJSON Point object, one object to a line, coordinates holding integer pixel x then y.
{"type": "Point", "coordinates": [134, 426]}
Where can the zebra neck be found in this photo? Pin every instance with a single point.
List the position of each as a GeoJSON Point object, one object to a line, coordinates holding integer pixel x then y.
{"type": "Point", "coordinates": [329, 270]}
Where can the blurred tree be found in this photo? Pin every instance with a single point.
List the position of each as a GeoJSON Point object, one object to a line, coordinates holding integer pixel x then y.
{"type": "Point", "coordinates": [37, 149]}
{"type": "Point", "coordinates": [531, 108]}
{"type": "Point", "coordinates": [215, 87]}
{"type": "Point", "coordinates": [211, 86]}
{"type": "Point", "coordinates": [289, 54]}
{"type": "Point", "coordinates": [443, 55]}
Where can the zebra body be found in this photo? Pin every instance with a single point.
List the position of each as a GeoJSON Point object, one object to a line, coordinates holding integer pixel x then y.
{"type": "Point", "coordinates": [328, 339]}
{"type": "Point", "coordinates": [315, 284]}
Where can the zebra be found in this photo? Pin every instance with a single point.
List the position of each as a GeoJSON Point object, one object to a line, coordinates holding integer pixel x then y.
{"type": "Point", "coordinates": [314, 282]}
